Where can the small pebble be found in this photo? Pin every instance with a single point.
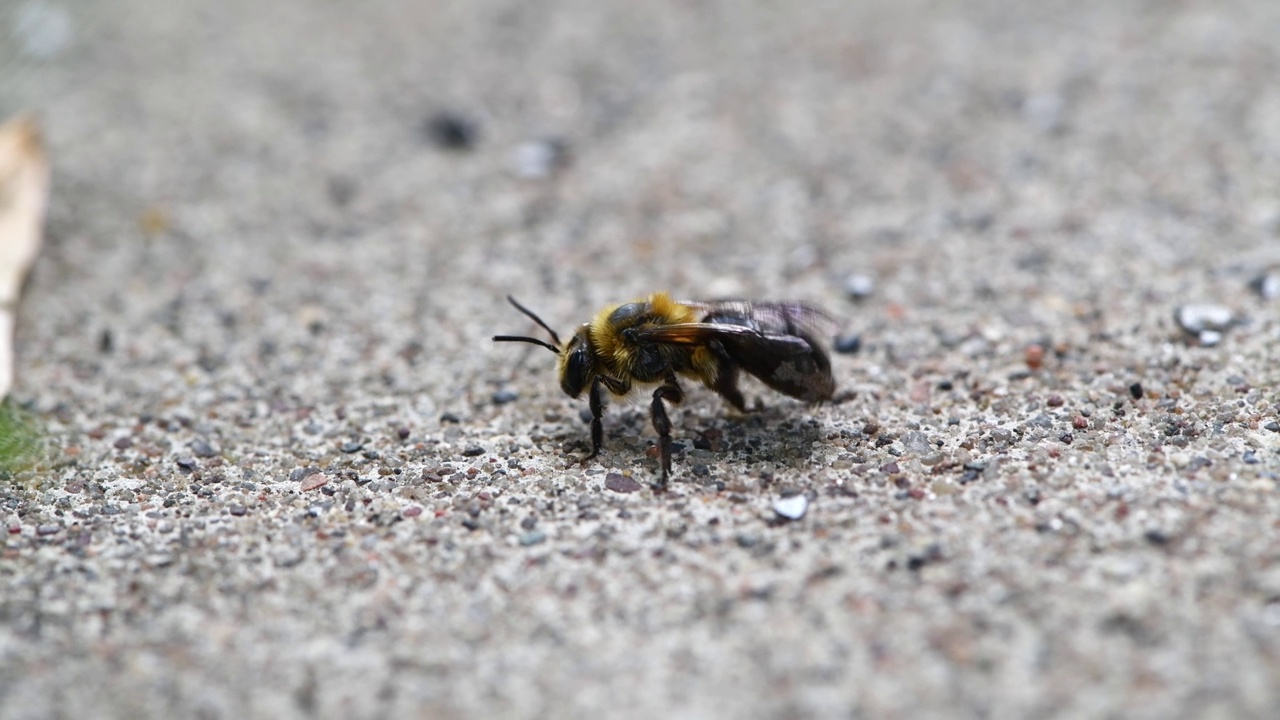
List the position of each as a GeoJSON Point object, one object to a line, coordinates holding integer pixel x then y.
{"type": "Point", "coordinates": [186, 463]}
{"type": "Point", "coordinates": [502, 397]}
{"type": "Point", "coordinates": [538, 159]}
{"type": "Point", "coordinates": [238, 510]}
{"type": "Point", "coordinates": [1267, 285]}
{"type": "Point", "coordinates": [791, 508]}
{"type": "Point", "coordinates": [620, 483]}
{"type": "Point", "coordinates": [1273, 426]}
{"type": "Point", "coordinates": [848, 344]}
{"type": "Point", "coordinates": [532, 538]}
{"type": "Point", "coordinates": [352, 447]}
{"type": "Point", "coordinates": [1054, 401]}
{"type": "Point", "coordinates": [123, 443]}
{"type": "Point", "coordinates": [1033, 356]}
{"type": "Point", "coordinates": [859, 286]}
{"type": "Point", "coordinates": [203, 449]}
{"type": "Point", "coordinates": [449, 418]}
{"type": "Point", "coordinates": [473, 451]}
{"type": "Point", "coordinates": [1080, 422]}
{"type": "Point", "coordinates": [47, 530]}
{"type": "Point", "coordinates": [1135, 391]}
{"type": "Point", "coordinates": [313, 481]}
{"type": "Point", "coordinates": [451, 131]}
{"type": "Point", "coordinates": [1206, 322]}
{"type": "Point", "coordinates": [411, 512]}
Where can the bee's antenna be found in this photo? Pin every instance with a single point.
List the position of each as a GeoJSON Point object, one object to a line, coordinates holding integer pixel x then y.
{"type": "Point", "coordinates": [519, 338]}
{"type": "Point", "coordinates": [536, 319]}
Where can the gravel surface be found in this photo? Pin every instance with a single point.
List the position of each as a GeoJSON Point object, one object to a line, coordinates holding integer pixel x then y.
{"type": "Point", "coordinates": [290, 476]}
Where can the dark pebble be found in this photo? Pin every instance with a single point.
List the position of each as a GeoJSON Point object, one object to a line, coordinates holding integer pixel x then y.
{"type": "Point", "coordinates": [370, 455]}
{"type": "Point", "coordinates": [584, 415]}
{"type": "Point", "coordinates": [473, 451]}
{"type": "Point", "coordinates": [342, 190]}
{"type": "Point", "coordinates": [402, 433]}
{"type": "Point", "coordinates": [946, 386]}
{"type": "Point", "coordinates": [1250, 458]}
{"type": "Point", "coordinates": [451, 131]}
{"type": "Point", "coordinates": [449, 418]}
{"type": "Point", "coordinates": [470, 524]}
{"type": "Point", "coordinates": [848, 344]}
{"type": "Point", "coordinates": [890, 468]}
{"type": "Point", "coordinates": [502, 397]}
{"type": "Point", "coordinates": [186, 463]}
{"type": "Point", "coordinates": [123, 443]}
{"type": "Point", "coordinates": [1273, 426]}
{"type": "Point", "coordinates": [528, 522]}
{"type": "Point", "coordinates": [352, 447]}
{"type": "Point", "coordinates": [203, 449]}
{"type": "Point", "coordinates": [106, 342]}
{"type": "Point", "coordinates": [1054, 401]}
{"type": "Point", "coordinates": [747, 540]}
{"type": "Point", "coordinates": [1135, 391]}
{"type": "Point", "coordinates": [238, 510]}
{"type": "Point", "coordinates": [701, 443]}
{"type": "Point", "coordinates": [620, 483]}
{"type": "Point", "coordinates": [1156, 537]}
{"type": "Point", "coordinates": [701, 470]}
{"type": "Point", "coordinates": [47, 530]}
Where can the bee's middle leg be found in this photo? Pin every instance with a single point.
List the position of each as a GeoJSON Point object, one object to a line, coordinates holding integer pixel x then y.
{"type": "Point", "coordinates": [670, 392]}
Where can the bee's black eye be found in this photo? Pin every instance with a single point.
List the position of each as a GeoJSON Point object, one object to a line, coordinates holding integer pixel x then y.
{"type": "Point", "coordinates": [576, 370]}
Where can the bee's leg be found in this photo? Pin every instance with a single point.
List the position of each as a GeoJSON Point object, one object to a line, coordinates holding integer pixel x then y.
{"type": "Point", "coordinates": [597, 425]}
{"type": "Point", "coordinates": [670, 392]}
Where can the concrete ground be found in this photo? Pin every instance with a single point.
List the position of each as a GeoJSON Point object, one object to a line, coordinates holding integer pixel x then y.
{"type": "Point", "coordinates": [290, 476]}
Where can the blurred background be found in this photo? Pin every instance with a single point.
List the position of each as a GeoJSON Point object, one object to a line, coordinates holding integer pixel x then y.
{"type": "Point", "coordinates": [395, 168]}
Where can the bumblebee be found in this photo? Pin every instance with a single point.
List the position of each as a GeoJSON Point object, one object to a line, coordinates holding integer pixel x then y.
{"type": "Point", "coordinates": [651, 342]}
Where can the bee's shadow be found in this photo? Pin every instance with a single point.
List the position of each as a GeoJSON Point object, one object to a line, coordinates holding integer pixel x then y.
{"type": "Point", "coordinates": [778, 432]}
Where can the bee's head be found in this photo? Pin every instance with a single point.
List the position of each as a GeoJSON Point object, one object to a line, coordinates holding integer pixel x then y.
{"type": "Point", "coordinates": [577, 366]}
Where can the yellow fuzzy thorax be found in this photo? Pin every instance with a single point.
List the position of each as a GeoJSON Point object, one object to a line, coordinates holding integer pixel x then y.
{"type": "Point", "coordinates": [616, 355]}
{"type": "Point", "coordinates": [606, 336]}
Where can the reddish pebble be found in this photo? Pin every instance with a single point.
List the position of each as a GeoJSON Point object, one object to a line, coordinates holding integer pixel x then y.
{"type": "Point", "coordinates": [1054, 401]}
{"type": "Point", "coordinates": [313, 481]}
{"type": "Point", "coordinates": [15, 529]}
{"type": "Point", "coordinates": [1034, 356]}
{"type": "Point", "coordinates": [620, 483]}
{"type": "Point", "coordinates": [916, 493]}
{"type": "Point", "coordinates": [1080, 422]}
{"type": "Point", "coordinates": [414, 511]}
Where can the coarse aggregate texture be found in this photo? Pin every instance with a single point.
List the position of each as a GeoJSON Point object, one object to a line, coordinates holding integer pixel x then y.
{"type": "Point", "coordinates": [289, 475]}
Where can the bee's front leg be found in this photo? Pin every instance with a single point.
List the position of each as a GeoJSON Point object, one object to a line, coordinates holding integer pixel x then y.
{"type": "Point", "coordinates": [670, 392]}
{"type": "Point", "coordinates": [597, 424]}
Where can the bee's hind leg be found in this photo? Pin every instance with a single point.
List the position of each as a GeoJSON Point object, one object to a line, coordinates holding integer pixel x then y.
{"type": "Point", "coordinates": [726, 385]}
{"type": "Point", "coordinates": [670, 392]}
